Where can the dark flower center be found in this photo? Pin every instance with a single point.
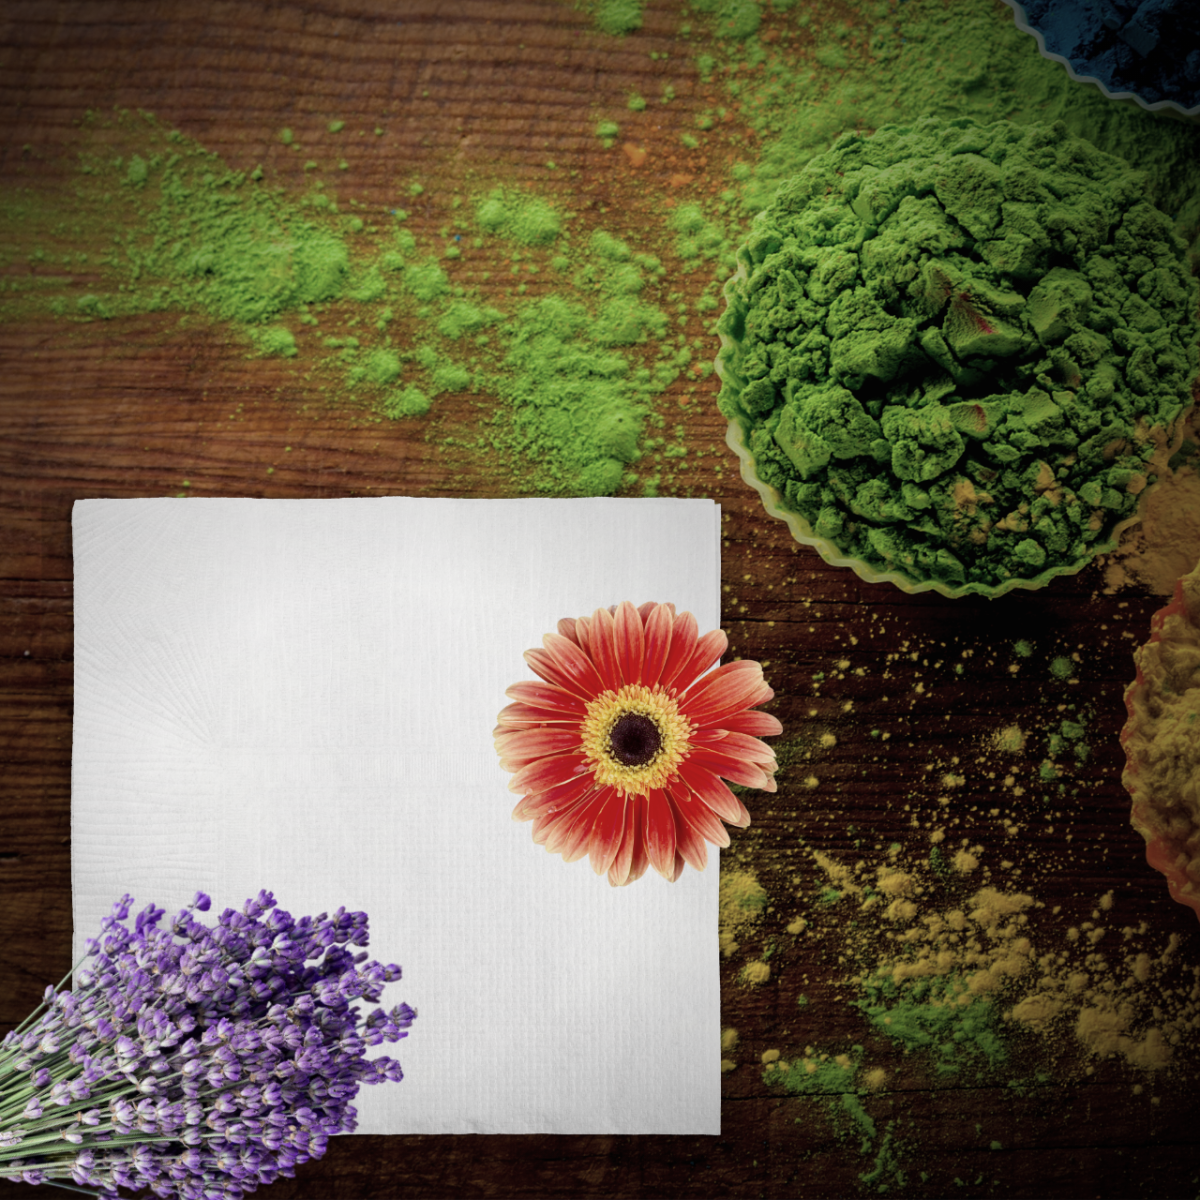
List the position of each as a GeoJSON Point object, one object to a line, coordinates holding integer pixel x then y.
{"type": "Point", "coordinates": [634, 740]}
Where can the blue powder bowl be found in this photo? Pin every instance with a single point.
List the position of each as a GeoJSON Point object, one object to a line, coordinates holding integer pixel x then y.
{"type": "Point", "coordinates": [1147, 51]}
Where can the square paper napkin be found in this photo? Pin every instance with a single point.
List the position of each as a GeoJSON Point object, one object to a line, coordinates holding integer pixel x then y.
{"type": "Point", "coordinates": [299, 695]}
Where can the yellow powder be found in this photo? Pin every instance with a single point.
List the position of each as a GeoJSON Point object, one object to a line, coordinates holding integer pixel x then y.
{"type": "Point", "coordinates": [755, 973]}
{"type": "Point", "coordinates": [742, 900]}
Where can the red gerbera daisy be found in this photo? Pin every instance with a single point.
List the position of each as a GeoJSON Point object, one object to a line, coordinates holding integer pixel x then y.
{"type": "Point", "coordinates": [619, 753]}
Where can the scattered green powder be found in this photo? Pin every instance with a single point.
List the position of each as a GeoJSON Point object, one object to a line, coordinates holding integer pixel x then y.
{"type": "Point", "coordinates": [336, 126]}
{"type": "Point", "coordinates": [618, 17]}
{"type": "Point", "coordinates": [608, 131]}
{"type": "Point", "coordinates": [1062, 667]}
{"type": "Point", "coordinates": [732, 18]}
{"type": "Point", "coordinates": [408, 402]}
{"type": "Point", "coordinates": [946, 345]}
{"type": "Point", "coordinates": [275, 340]}
{"type": "Point", "coordinates": [1022, 648]}
{"type": "Point", "coordinates": [525, 219]}
{"type": "Point", "coordinates": [636, 103]}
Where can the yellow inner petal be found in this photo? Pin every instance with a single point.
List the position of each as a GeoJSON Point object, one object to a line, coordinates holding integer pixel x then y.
{"type": "Point", "coordinates": [655, 705]}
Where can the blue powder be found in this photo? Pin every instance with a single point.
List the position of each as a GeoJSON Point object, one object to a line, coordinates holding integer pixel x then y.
{"type": "Point", "coordinates": [1148, 47]}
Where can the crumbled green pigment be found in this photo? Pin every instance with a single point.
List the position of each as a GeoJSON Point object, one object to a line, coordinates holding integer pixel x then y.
{"type": "Point", "coordinates": [947, 344]}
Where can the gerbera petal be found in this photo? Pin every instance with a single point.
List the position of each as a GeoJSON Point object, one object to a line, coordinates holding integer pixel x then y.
{"type": "Point", "coordinates": [583, 632]}
{"type": "Point", "coordinates": [639, 860]}
{"type": "Point", "coordinates": [546, 772]}
{"type": "Point", "coordinates": [644, 610]}
{"type": "Point", "coordinates": [576, 665]}
{"type": "Point", "coordinates": [730, 767]}
{"type": "Point", "coordinates": [541, 663]}
{"type": "Point", "coordinates": [734, 686]}
{"type": "Point", "coordinates": [559, 796]}
{"type": "Point", "coordinates": [715, 794]}
{"type": "Point", "coordinates": [546, 696]}
{"type": "Point", "coordinates": [618, 869]}
{"type": "Point", "coordinates": [630, 643]}
{"type": "Point", "coordinates": [687, 841]}
{"type": "Point", "coordinates": [566, 628]}
{"type": "Point", "coordinates": [757, 724]}
{"type": "Point", "coordinates": [677, 870]}
{"type": "Point", "coordinates": [660, 833]}
{"type": "Point", "coordinates": [699, 816]}
{"type": "Point", "coordinates": [525, 716]}
{"type": "Point", "coordinates": [602, 644]}
{"type": "Point", "coordinates": [741, 744]}
{"type": "Point", "coordinates": [522, 746]}
{"type": "Point", "coordinates": [570, 835]}
{"type": "Point", "coordinates": [708, 650]}
{"type": "Point", "coordinates": [658, 643]}
{"type": "Point", "coordinates": [607, 828]}
{"type": "Point", "coordinates": [684, 635]}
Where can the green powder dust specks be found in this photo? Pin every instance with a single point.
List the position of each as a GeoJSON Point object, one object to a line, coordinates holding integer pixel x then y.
{"type": "Point", "coordinates": [563, 388]}
{"type": "Point", "coordinates": [736, 19]}
{"type": "Point", "coordinates": [526, 219]}
{"type": "Point", "coordinates": [275, 340]}
{"type": "Point", "coordinates": [1062, 667]}
{"type": "Point", "coordinates": [618, 17]}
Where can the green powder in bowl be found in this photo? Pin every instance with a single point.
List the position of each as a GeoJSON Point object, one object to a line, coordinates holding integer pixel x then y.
{"type": "Point", "coordinates": [951, 349]}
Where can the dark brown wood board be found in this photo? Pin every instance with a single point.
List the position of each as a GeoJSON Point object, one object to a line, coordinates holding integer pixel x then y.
{"type": "Point", "coordinates": [891, 753]}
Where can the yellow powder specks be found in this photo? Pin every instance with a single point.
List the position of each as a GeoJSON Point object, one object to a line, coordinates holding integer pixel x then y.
{"type": "Point", "coordinates": [755, 973]}
{"type": "Point", "coordinates": [842, 877]}
{"type": "Point", "coordinates": [1009, 740]}
{"type": "Point", "coordinates": [770, 1056]}
{"type": "Point", "coordinates": [964, 862]}
{"type": "Point", "coordinates": [729, 1040]}
{"type": "Point", "coordinates": [874, 1079]}
{"type": "Point", "coordinates": [1038, 1011]}
{"type": "Point", "coordinates": [827, 740]}
{"type": "Point", "coordinates": [742, 900]}
{"type": "Point", "coordinates": [1103, 1029]}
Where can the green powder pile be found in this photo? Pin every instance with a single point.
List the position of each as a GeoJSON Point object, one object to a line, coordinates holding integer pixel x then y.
{"type": "Point", "coordinates": [950, 346]}
{"type": "Point", "coordinates": [934, 58]}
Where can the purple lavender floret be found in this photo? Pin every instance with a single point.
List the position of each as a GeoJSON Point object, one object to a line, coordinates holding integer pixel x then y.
{"type": "Point", "coordinates": [197, 1061]}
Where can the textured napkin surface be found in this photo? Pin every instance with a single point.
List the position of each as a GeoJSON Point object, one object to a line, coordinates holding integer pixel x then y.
{"type": "Point", "coordinates": [299, 695]}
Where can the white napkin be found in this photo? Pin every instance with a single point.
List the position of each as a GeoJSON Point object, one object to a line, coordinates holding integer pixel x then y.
{"type": "Point", "coordinates": [299, 695]}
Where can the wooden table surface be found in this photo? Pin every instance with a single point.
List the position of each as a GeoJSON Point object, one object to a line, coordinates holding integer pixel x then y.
{"type": "Point", "coordinates": [894, 705]}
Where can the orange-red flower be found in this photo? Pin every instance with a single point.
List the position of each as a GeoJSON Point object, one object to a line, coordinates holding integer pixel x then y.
{"type": "Point", "coordinates": [619, 753]}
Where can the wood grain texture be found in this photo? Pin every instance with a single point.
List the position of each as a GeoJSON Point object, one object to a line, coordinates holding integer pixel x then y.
{"type": "Point", "coordinates": [479, 90]}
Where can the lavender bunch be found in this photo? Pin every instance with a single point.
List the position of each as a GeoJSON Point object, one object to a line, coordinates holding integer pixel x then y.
{"type": "Point", "coordinates": [196, 1061]}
